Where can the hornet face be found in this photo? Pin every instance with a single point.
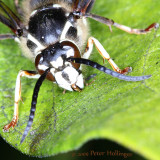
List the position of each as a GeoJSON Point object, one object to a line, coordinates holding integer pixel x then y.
{"type": "Point", "coordinates": [66, 74]}
{"type": "Point", "coordinates": [52, 34]}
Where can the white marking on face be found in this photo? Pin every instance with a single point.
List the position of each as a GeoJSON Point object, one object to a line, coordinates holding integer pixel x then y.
{"type": "Point", "coordinates": [70, 78]}
{"type": "Point", "coordinates": [39, 45]}
{"type": "Point", "coordinates": [42, 67]}
{"type": "Point", "coordinates": [80, 81]}
{"type": "Point", "coordinates": [62, 82]}
{"type": "Point", "coordinates": [70, 53]}
{"type": "Point", "coordinates": [72, 74]}
{"type": "Point", "coordinates": [65, 30]}
{"type": "Point", "coordinates": [52, 70]}
{"type": "Point", "coordinates": [57, 63]}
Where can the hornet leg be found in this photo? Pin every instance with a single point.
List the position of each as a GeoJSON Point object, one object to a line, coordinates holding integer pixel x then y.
{"type": "Point", "coordinates": [104, 54]}
{"type": "Point", "coordinates": [28, 74]}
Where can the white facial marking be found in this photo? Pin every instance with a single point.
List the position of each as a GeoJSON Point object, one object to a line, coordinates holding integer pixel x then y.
{"type": "Point", "coordinates": [72, 74]}
{"type": "Point", "coordinates": [57, 63]}
{"type": "Point", "coordinates": [62, 82]}
{"type": "Point", "coordinates": [34, 40]}
{"type": "Point", "coordinates": [52, 70]}
{"type": "Point", "coordinates": [65, 30]}
{"type": "Point", "coordinates": [80, 81]}
{"type": "Point", "coordinates": [42, 67]}
{"type": "Point", "coordinates": [67, 77]}
{"type": "Point", "coordinates": [70, 52]}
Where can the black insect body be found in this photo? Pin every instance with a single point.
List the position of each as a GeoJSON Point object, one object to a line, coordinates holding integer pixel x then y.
{"type": "Point", "coordinates": [52, 35]}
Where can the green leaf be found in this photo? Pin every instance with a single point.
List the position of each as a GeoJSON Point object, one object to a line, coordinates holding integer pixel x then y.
{"type": "Point", "coordinates": [125, 112]}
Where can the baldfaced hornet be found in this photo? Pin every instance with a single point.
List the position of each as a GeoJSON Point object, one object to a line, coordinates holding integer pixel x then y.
{"type": "Point", "coordinates": [52, 35]}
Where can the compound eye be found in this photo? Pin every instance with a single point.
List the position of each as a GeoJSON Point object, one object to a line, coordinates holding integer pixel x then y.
{"type": "Point", "coordinates": [76, 51]}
